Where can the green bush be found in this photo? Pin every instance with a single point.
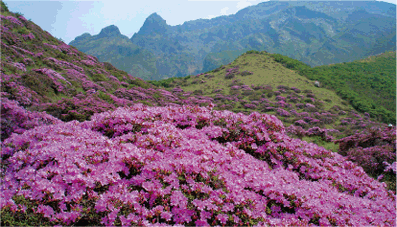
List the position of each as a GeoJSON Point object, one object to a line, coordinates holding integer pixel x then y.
{"type": "Point", "coordinates": [166, 82]}
{"type": "Point", "coordinates": [105, 97]}
{"type": "Point", "coordinates": [139, 83]}
{"type": "Point", "coordinates": [99, 77]}
{"type": "Point", "coordinates": [4, 7]}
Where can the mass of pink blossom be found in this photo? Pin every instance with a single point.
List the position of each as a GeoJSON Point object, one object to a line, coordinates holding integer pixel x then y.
{"type": "Point", "coordinates": [182, 157]}
{"type": "Point", "coordinates": [186, 165]}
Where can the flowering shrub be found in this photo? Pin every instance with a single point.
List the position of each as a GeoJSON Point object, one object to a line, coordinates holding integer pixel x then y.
{"type": "Point", "coordinates": [82, 108]}
{"type": "Point", "coordinates": [184, 165]}
{"type": "Point", "coordinates": [15, 119]}
{"type": "Point", "coordinates": [167, 165]}
{"type": "Point", "coordinates": [370, 149]}
{"type": "Point", "coordinates": [54, 76]}
{"type": "Point", "coordinates": [246, 73]}
{"type": "Point", "coordinates": [250, 106]}
{"type": "Point", "coordinates": [326, 135]}
{"type": "Point", "coordinates": [15, 91]}
{"type": "Point", "coordinates": [230, 73]}
{"type": "Point", "coordinates": [12, 20]}
{"type": "Point", "coordinates": [19, 66]}
{"type": "Point", "coordinates": [283, 112]}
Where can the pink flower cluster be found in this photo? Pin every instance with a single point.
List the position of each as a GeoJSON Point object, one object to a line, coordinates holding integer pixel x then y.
{"type": "Point", "coordinates": [12, 19]}
{"type": "Point", "coordinates": [186, 165]}
{"type": "Point", "coordinates": [55, 76]}
{"type": "Point", "coordinates": [373, 149]}
{"type": "Point", "coordinates": [65, 64]}
{"type": "Point", "coordinates": [29, 36]}
{"type": "Point", "coordinates": [23, 50]}
{"type": "Point", "coordinates": [15, 119]}
{"type": "Point", "coordinates": [55, 47]}
{"type": "Point", "coordinates": [14, 90]}
{"type": "Point", "coordinates": [325, 134]}
{"type": "Point", "coordinates": [88, 62]}
{"type": "Point", "coordinates": [19, 66]}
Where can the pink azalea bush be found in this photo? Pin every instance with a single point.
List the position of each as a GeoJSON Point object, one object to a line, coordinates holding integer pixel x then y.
{"type": "Point", "coordinates": [15, 119]}
{"type": "Point", "coordinates": [184, 165]}
{"type": "Point", "coordinates": [374, 149]}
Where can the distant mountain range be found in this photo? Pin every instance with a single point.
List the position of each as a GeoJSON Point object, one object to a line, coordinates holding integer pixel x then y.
{"type": "Point", "coordinates": [316, 33]}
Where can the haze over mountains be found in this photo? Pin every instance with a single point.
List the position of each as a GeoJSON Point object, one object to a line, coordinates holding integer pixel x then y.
{"type": "Point", "coordinates": [317, 33]}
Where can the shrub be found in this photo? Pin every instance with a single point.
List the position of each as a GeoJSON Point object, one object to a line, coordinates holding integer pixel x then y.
{"type": "Point", "coordinates": [246, 73]}
{"type": "Point", "coordinates": [99, 77]}
{"type": "Point", "coordinates": [184, 166]}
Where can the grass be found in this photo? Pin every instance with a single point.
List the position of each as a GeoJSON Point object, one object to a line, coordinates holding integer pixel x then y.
{"type": "Point", "coordinates": [317, 140]}
{"type": "Point", "coordinates": [265, 71]}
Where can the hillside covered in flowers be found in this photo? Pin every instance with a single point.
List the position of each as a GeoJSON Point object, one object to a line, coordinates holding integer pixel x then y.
{"type": "Point", "coordinates": [83, 143]}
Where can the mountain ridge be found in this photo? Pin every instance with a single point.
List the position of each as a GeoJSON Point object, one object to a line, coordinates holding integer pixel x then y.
{"type": "Point", "coordinates": [305, 31]}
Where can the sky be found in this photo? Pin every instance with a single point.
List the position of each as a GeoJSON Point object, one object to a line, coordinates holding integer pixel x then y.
{"type": "Point", "coordinates": [68, 19]}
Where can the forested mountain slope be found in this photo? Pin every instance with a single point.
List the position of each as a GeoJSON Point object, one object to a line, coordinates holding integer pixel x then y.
{"type": "Point", "coordinates": [315, 32]}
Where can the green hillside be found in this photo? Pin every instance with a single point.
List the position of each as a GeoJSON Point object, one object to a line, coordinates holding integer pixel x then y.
{"type": "Point", "coordinates": [369, 85]}
{"type": "Point", "coordinates": [274, 84]}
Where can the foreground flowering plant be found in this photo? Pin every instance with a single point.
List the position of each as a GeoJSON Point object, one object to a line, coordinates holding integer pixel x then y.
{"type": "Point", "coordinates": [184, 165]}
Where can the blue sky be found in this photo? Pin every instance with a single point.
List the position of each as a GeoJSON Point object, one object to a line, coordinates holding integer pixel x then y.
{"type": "Point", "coordinates": [68, 19]}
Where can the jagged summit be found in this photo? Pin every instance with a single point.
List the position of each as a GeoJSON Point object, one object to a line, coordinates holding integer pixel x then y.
{"type": "Point", "coordinates": [154, 16]}
{"type": "Point", "coordinates": [153, 24]}
{"type": "Point", "coordinates": [109, 31]}
{"type": "Point", "coordinates": [83, 36]}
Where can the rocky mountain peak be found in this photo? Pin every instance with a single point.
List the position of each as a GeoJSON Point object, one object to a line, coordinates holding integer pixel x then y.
{"type": "Point", "coordinates": [153, 24]}
{"type": "Point", "coordinates": [109, 31]}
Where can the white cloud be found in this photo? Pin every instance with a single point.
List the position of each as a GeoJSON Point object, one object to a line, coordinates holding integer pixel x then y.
{"type": "Point", "coordinates": [223, 10]}
{"type": "Point", "coordinates": [242, 4]}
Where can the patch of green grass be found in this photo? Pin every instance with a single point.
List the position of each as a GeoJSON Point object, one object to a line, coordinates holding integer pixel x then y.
{"type": "Point", "coordinates": [317, 140]}
{"type": "Point", "coordinates": [138, 83]}
{"type": "Point", "coordinates": [266, 71]}
{"type": "Point", "coordinates": [99, 77]}
{"type": "Point", "coordinates": [105, 97]}
{"type": "Point", "coordinates": [21, 30]}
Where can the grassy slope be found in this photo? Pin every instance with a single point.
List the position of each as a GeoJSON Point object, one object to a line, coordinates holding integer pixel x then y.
{"type": "Point", "coordinates": [266, 71]}
{"type": "Point", "coordinates": [75, 101]}
{"type": "Point", "coordinates": [368, 84]}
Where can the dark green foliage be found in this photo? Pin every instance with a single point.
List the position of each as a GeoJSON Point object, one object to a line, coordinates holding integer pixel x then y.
{"type": "Point", "coordinates": [253, 52]}
{"type": "Point", "coordinates": [99, 77]}
{"type": "Point", "coordinates": [105, 97]}
{"type": "Point", "coordinates": [39, 83]}
{"type": "Point", "coordinates": [20, 218]}
{"type": "Point", "coordinates": [3, 6]}
{"type": "Point", "coordinates": [139, 83]}
{"type": "Point", "coordinates": [290, 63]}
{"type": "Point", "coordinates": [167, 83]}
{"type": "Point", "coordinates": [368, 85]}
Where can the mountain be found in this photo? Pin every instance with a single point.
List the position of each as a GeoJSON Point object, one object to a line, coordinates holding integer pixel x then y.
{"type": "Point", "coordinates": [315, 32]}
{"type": "Point", "coordinates": [86, 144]}
{"type": "Point", "coordinates": [113, 47]}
